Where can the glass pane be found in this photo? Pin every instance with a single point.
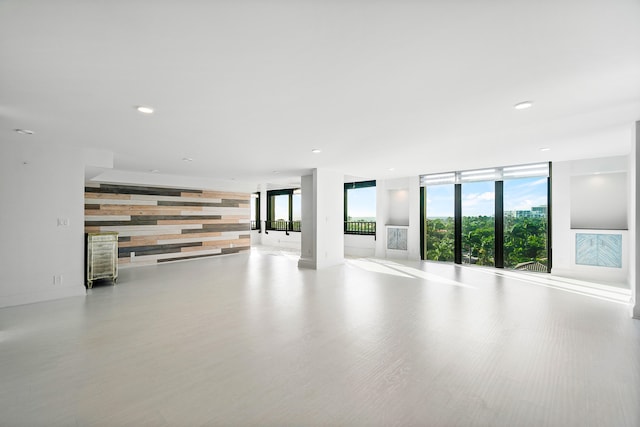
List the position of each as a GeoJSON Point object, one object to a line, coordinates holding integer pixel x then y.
{"type": "Point", "coordinates": [361, 204]}
{"type": "Point", "coordinates": [525, 224]}
{"type": "Point", "coordinates": [361, 210]}
{"type": "Point", "coordinates": [297, 212]}
{"type": "Point", "coordinates": [297, 207]}
{"type": "Point", "coordinates": [478, 223]}
{"type": "Point", "coordinates": [281, 207]}
{"type": "Point", "coordinates": [440, 226]}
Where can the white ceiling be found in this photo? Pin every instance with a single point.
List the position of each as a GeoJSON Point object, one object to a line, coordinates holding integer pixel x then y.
{"type": "Point", "coordinates": [246, 88]}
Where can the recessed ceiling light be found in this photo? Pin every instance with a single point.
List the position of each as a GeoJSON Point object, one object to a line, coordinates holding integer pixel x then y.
{"type": "Point", "coordinates": [316, 151]}
{"type": "Point", "coordinates": [24, 131]}
{"type": "Point", "coordinates": [276, 172]}
{"type": "Point", "coordinates": [144, 109]}
{"type": "Point", "coordinates": [154, 170]}
{"type": "Point", "coordinates": [523, 105]}
{"type": "Point", "coordinates": [392, 169]}
{"type": "Point", "coordinates": [545, 149]}
{"type": "Point", "coordinates": [187, 159]}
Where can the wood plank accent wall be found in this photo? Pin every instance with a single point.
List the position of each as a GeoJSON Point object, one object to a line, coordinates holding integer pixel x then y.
{"type": "Point", "coordinates": [158, 225]}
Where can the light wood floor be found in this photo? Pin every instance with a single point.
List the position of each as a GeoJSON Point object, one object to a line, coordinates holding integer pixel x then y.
{"type": "Point", "coordinates": [252, 340]}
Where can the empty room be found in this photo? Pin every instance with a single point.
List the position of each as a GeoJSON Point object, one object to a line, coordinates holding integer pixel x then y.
{"type": "Point", "coordinates": [319, 213]}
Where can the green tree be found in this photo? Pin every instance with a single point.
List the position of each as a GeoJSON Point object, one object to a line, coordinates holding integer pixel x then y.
{"type": "Point", "coordinates": [439, 235]}
{"type": "Point", "coordinates": [525, 239]}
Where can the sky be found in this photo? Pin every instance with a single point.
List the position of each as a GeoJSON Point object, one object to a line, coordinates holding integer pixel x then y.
{"type": "Point", "coordinates": [478, 198]}
{"type": "Point", "coordinates": [362, 202]}
{"type": "Point", "coordinates": [282, 207]}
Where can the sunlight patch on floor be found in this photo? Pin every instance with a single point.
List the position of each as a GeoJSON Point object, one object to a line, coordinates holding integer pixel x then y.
{"type": "Point", "coordinates": [375, 267]}
{"type": "Point", "coordinates": [390, 267]}
{"type": "Point", "coordinates": [575, 286]}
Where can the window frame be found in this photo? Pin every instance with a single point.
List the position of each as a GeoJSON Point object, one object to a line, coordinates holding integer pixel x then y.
{"type": "Point", "coordinates": [498, 175]}
{"type": "Point", "coordinates": [290, 226]}
{"type": "Point", "coordinates": [369, 230]}
{"type": "Point", "coordinates": [255, 224]}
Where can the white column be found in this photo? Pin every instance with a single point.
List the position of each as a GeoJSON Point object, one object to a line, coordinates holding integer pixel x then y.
{"type": "Point", "coordinates": [322, 219]}
{"type": "Point", "coordinates": [382, 218]}
{"type": "Point", "coordinates": [634, 229]}
{"type": "Point", "coordinates": [307, 222]}
{"type": "Point", "coordinates": [413, 243]}
{"type": "Point", "coordinates": [263, 210]}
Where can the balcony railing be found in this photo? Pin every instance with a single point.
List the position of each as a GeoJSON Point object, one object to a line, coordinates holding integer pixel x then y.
{"type": "Point", "coordinates": [255, 225]}
{"type": "Point", "coordinates": [360, 227]}
{"type": "Point", "coordinates": [281, 225]}
{"type": "Point", "coordinates": [350, 227]}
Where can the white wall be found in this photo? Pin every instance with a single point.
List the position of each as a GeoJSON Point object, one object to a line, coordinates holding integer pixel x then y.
{"type": "Point", "coordinates": [414, 218]}
{"type": "Point", "coordinates": [322, 219]}
{"type": "Point", "coordinates": [40, 184]}
{"type": "Point", "coordinates": [359, 245]}
{"type": "Point", "coordinates": [600, 201]}
{"type": "Point", "coordinates": [634, 214]}
{"type": "Point", "coordinates": [329, 220]}
{"type": "Point", "coordinates": [307, 214]}
{"type": "Point", "coordinates": [398, 206]}
{"type": "Point", "coordinates": [563, 236]}
{"type": "Point", "coordinates": [281, 240]}
{"type": "Point", "coordinates": [398, 203]}
{"type": "Point", "coordinates": [256, 237]}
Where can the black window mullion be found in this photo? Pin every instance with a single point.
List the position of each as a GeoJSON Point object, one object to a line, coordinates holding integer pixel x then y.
{"type": "Point", "coordinates": [258, 219]}
{"type": "Point", "coordinates": [362, 184]}
{"type": "Point", "coordinates": [457, 225]}
{"type": "Point", "coordinates": [423, 237]}
{"type": "Point", "coordinates": [498, 250]}
{"type": "Point", "coordinates": [290, 224]}
{"type": "Point", "coordinates": [258, 208]}
{"type": "Point", "coordinates": [346, 198]}
{"type": "Point", "coordinates": [549, 249]}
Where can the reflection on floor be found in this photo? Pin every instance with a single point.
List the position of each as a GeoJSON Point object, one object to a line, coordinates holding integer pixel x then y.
{"type": "Point", "coordinates": [581, 287]}
{"type": "Point", "coordinates": [251, 339]}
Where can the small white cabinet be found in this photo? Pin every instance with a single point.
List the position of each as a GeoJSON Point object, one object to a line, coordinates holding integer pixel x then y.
{"type": "Point", "coordinates": [397, 241]}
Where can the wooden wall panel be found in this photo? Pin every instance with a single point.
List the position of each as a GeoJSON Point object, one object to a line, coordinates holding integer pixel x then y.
{"type": "Point", "coordinates": [157, 225]}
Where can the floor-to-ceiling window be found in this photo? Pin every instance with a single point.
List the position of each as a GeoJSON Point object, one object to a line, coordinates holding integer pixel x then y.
{"type": "Point", "coordinates": [439, 228]}
{"type": "Point", "coordinates": [478, 223]}
{"type": "Point", "coordinates": [525, 221]}
{"type": "Point", "coordinates": [492, 217]}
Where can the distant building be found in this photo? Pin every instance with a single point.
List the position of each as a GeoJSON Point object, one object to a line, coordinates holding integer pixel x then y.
{"type": "Point", "coordinates": [534, 212]}
{"type": "Point", "coordinates": [539, 211]}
